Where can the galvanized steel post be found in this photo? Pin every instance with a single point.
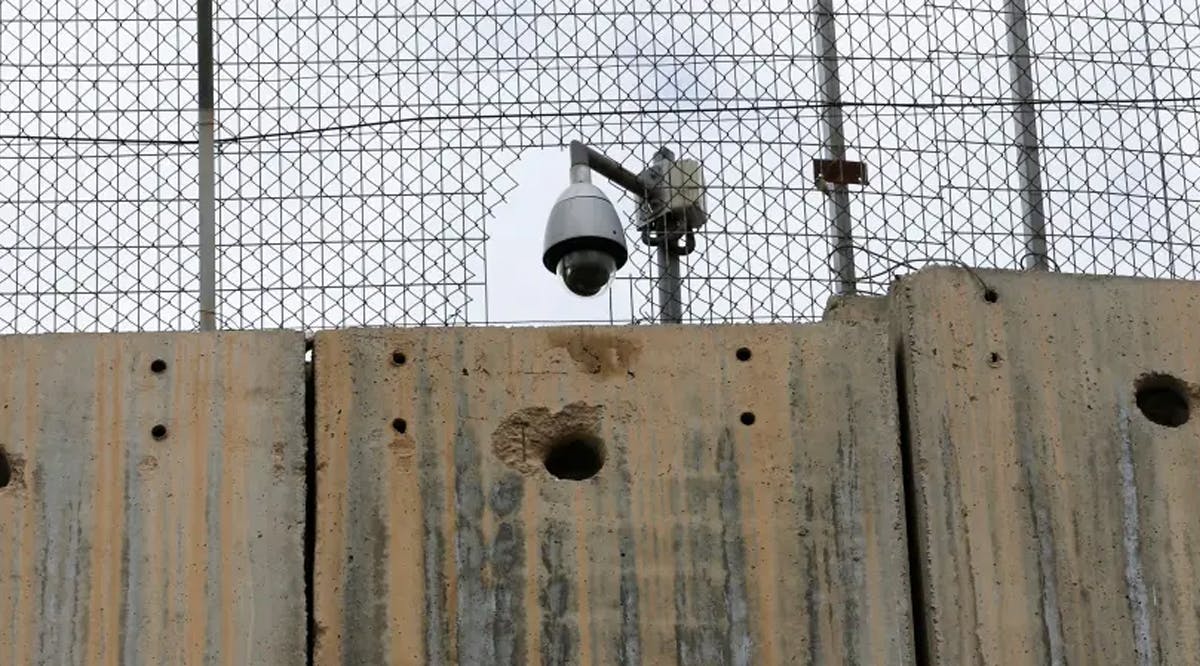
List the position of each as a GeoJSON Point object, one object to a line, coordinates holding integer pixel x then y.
{"type": "Point", "coordinates": [1029, 168]}
{"type": "Point", "coordinates": [206, 230]}
{"type": "Point", "coordinates": [838, 204]}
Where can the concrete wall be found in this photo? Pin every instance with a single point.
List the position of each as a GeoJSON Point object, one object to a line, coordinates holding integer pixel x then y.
{"type": "Point", "coordinates": [702, 540]}
{"type": "Point", "coordinates": [1055, 522]}
{"type": "Point", "coordinates": [117, 547]}
{"type": "Point", "coordinates": [1024, 439]}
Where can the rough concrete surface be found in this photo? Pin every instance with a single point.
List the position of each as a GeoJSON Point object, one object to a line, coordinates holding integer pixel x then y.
{"type": "Point", "coordinates": [120, 548]}
{"type": "Point", "coordinates": [1055, 522]}
{"type": "Point", "coordinates": [855, 308]}
{"type": "Point", "coordinates": [442, 538]}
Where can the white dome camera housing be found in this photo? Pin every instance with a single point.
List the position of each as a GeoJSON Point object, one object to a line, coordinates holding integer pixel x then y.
{"type": "Point", "coordinates": [585, 242]}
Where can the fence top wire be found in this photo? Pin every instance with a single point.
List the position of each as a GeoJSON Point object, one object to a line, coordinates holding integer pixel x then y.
{"type": "Point", "coordinates": [382, 166]}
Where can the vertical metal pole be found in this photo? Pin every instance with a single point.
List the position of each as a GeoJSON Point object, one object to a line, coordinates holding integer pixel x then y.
{"type": "Point", "coordinates": [1148, 50]}
{"type": "Point", "coordinates": [207, 231]}
{"type": "Point", "coordinates": [670, 296]}
{"type": "Point", "coordinates": [670, 285]}
{"type": "Point", "coordinates": [1029, 168]}
{"type": "Point", "coordinates": [838, 206]}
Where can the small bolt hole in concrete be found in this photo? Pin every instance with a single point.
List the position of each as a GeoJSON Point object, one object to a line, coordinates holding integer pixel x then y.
{"type": "Point", "coordinates": [743, 354]}
{"type": "Point", "coordinates": [398, 358]}
{"type": "Point", "coordinates": [158, 366]}
{"type": "Point", "coordinates": [159, 431]}
{"type": "Point", "coordinates": [747, 418]}
{"type": "Point", "coordinates": [400, 426]}
{"type": "Point", "coordinates": [1163, 399]}
{"type": "Point", "coordinates": [990, 295]}
{"type": "Point", "coordinates": [575, 457]}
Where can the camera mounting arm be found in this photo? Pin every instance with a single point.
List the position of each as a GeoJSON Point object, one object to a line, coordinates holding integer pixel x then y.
{"type": "Point", "coordinates": [669, 205]}
{"type": "Point", "coordinates": [584, 160]}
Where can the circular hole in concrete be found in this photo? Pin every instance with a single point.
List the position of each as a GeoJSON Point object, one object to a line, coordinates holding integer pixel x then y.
{"type": "Point", "coordinates": [5, 469]}
{"type": "Point", "coordinates": [743, 354]}
{"type": "Point", "coordinates": [399, 358]}
{"type": "Point", "coordinates": [159, 431]}
{"type": "Point", "coordinates": [747, 418]}
{"type": "Point", "coordinates": [400, 426]}
{"type": "Point", "coordinates": [994, 358]}
{"type": "Point", "coordinates": [576, 457]}
{"type": "Point", "coordinates": [158, 365]}
{"type": "Point", "coordinates": [1163, 399]}
{"type": "Point", "coordinates": [990, 295]}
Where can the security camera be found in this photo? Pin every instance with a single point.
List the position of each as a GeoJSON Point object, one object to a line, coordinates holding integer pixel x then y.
{"type": "Point", "coordinates": [585, 240]}
{"type": "Point", "coordinates": [585, 244]}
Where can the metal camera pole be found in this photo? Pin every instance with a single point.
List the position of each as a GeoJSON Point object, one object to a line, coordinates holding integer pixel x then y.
{"type": "Point", "coordinates": [670, 292]}
{"type": "Point", "coordinates": [1029, 168]}
{"type": "Point", "coordinates": [666, 254]}
{"type": "Point", "coordinates": [207, 229]}
{"type": "Point", "coordinates": [841, 233]}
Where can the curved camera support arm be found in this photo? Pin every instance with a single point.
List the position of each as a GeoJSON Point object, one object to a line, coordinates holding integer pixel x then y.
{"type": "Point", "coordinates": [646, 186]}
{"type": "Point", "coordinates": [585, 159]}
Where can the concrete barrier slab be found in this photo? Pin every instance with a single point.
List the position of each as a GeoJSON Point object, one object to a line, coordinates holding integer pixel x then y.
{"type": "Point", "coordinates": [1055, 522]}
{"type": "Point", "coordinates": [746, 511]}
{"type": "Point", "coordinates": [124, 543]}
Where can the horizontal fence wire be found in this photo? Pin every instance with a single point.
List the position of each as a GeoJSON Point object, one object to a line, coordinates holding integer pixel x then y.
{"type": "Point", "coordinates": [383, 163]}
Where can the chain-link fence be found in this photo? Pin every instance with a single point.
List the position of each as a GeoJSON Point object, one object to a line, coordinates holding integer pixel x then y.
{"type": "Point", "coordinates": [367, 153]}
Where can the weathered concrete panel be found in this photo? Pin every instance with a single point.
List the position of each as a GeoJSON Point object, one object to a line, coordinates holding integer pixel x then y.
{"type": "Point", "coordinates": [117, 547]}
{"type": "Point", "coordinates": [701, 540]}
{"type": "Point", "coordinates": [854, 308]}
{"type": "Point", "coordinates": [1055, 522]}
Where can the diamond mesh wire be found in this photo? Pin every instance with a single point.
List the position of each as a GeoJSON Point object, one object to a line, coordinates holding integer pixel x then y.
{"type": "Point", "coordinates": [366, 150]}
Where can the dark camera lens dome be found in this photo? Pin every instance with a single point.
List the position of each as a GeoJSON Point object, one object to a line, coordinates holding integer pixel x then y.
{"type": "Point", "coordinates": [587, 272]}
